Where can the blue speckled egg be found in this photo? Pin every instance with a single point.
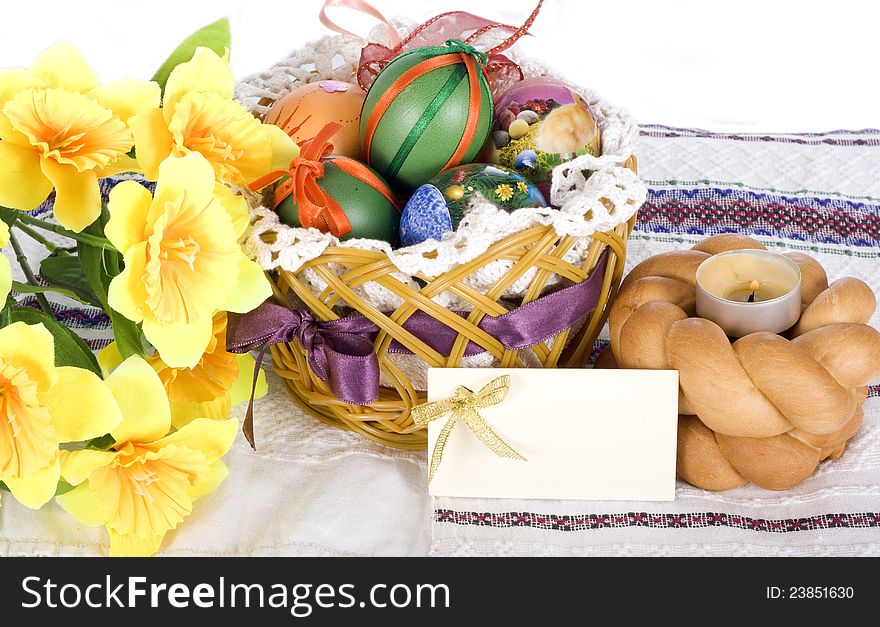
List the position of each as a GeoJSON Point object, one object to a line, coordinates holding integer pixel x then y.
{"type": "Point", "coordinates": [425, 216]}
{"type": "Point", "coordinates": [437, 207]}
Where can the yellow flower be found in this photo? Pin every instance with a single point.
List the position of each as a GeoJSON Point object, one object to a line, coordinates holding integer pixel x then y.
{"type": "Point", "coordinates": [209, 390]}
{"type": "Point", "coordinates": [145, 485]}
{"type": "Point", "coordinates": [521, 186]}
{"type": "Point", "coordinates": [60, 128]}
{"type": "Point", "coordinates": [182, 258]}
{"type": "Point", "coordinates": [5, 269]}
{"type": "Point", "coordinates": [199, 115]}
{"type": "Point", "coordinates": [504, 192]}
{"type": "Point", "coordinates": [41, 406]}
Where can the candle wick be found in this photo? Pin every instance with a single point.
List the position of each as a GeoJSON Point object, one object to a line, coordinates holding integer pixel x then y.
{"type": "Point", "coordinates": [755, 285]}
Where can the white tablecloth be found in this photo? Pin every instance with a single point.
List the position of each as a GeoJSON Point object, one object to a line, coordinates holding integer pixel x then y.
{"type": "Point", "coordinates": [314, 490]}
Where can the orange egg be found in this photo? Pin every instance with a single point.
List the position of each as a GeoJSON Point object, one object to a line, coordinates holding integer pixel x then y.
{"type": "Point", "coordinates": [305, 111]}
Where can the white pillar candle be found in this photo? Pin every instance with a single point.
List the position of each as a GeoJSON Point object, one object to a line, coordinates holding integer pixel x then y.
{"type": "Point", "coordinates": [747, 291]}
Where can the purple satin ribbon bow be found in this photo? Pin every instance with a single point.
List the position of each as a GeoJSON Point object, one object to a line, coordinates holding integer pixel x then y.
{"type": "Point", "coordinates": [341, 353]}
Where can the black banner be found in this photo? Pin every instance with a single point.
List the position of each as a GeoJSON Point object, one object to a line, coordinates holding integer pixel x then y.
{"type": "Point", "coordinates": [288, 591]}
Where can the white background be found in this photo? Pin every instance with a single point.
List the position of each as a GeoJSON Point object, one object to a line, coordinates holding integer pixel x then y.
{"type": "Point", "coordinates": [749, 65]}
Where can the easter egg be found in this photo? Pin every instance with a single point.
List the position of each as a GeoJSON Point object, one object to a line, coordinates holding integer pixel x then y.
{"type": "Point", "coordinates": [539, 124]}
{"type": "Point", "coordinates": [428, 110]}
{"type": "Point", "coordinates": [439, 206]}
{"type": "Point", "coordinates": [361, 194]}
{"type": "Point", "coordinates": [305, 111]}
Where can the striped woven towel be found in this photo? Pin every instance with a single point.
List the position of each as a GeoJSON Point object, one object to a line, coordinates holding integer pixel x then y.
{"type": "Point", "coordinates": [817, 193]}
{"type": "Point", "coordinates": [314, 490]}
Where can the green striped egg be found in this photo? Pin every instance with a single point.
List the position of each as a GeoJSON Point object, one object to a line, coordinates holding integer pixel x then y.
{"type": "Point", "coordinates": [414, 120]}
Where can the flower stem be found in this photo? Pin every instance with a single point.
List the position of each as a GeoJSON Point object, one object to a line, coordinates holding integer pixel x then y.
{"type": "Point", "coordinates": [35, 235]}
{"type": "Point", "coordinates": [85, 238]}
{"type": "Point", "coordinates": [29, 274]}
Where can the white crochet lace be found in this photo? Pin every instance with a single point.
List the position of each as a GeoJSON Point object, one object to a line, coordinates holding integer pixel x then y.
{"type": "Point", "coordinates": [587, 203]}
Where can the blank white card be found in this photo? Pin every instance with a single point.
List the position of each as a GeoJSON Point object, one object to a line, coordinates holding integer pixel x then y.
{"type": "Point", "coordinates": [586, 434]}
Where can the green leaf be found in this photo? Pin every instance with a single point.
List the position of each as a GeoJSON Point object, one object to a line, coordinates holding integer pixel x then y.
{"type": "Point", "coordinates": [70, 349]}
{"type": "Point", "coordinates": [64, 270]}
{"type": "Point", "coordinates": [99, 267]}
{"type": "Point", "coordinates": [216, 36]}
{"type": "Point", "coordinates": [25, 288]}
{"type": "Point", "coordinates": [127, 334]}
{"type": "Point", "coordinates": [102, 443]}
{"type": "Point", "coordinates": [63, 487]}
{"type": "Point", "coordinates": [4, 312]}
{"type": "Point", "coordinates": [9, 216]}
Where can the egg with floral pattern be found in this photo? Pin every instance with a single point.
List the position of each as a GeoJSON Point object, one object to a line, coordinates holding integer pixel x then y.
{"type": "Point", "coordinates": [439, 206]}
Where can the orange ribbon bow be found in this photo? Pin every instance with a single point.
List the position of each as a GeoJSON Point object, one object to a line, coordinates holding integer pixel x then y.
{"type": "Point", "coordinates": [316, 208]}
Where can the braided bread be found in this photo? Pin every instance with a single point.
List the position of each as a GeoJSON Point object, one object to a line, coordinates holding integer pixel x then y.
{"type": "Point", "coordinates": [765, 408]}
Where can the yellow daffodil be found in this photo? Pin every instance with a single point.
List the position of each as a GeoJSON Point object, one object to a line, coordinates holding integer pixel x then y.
{"type": "Point", "coordinates": [145, 485]}
{"type": "Point", "coordinates": [60, 129]}
{"type": "Point", "coordinates": [5, 269]}
{"type": "Point", "coordinates": [209, 390]}
{"type": "Point", "coordinates": [199, 115]}
{"type": "Point", "coordinates": [42, 405]}
{"type": "Point", "coordinates": [182, 258]}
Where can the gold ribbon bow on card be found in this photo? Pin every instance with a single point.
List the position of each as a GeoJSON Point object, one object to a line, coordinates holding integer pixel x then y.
{"type": "Point", "coordinates": [464, 406]}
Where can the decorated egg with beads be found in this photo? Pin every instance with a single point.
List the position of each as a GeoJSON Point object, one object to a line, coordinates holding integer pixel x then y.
{"type": "Point", "coordinates": [540, 123]}
{"type": "Point", "coordinates": [305, 111]}
{"type": "Point", "coordinates": [438, 206]}
{"type": "Point", "coordinates": [428, 110]}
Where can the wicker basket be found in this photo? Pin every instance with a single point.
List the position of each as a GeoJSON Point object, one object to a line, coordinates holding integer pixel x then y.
{"type": "Point", "coordinates": [388, 421]}
{"type": "Point", "coordinates": [537, 257]}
